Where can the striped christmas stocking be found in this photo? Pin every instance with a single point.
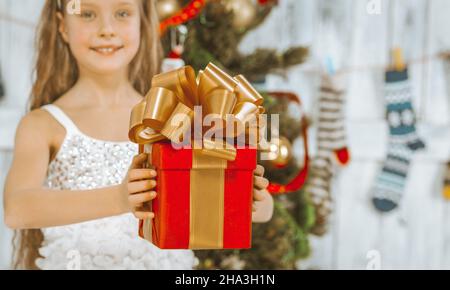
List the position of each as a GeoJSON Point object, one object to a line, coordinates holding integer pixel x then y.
{"type": "Point", "coordinates": [403, 142]}
{"type": "Point", "coordinates": [332, 148]}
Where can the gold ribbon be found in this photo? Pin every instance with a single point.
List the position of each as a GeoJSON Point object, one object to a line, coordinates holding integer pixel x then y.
{"type": "Point", "coordinates": [207, 201]}
{"type": "Point", "coordinates": [167, 113]}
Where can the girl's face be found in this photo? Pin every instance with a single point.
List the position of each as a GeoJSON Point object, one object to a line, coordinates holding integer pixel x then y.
{"type": "Point", "coordinates": [105, 36]}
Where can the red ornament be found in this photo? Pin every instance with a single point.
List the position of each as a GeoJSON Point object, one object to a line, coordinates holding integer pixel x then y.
{"type": "Point", "coordinates": [266, 2]}
{"type": "Point", "coordinates": [189, 12]}
{"type": "Point", "coordinates": [342, 156]}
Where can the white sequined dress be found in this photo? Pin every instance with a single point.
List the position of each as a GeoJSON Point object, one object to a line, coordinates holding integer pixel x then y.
{"type": "Point", "coordinates": [85, 163]}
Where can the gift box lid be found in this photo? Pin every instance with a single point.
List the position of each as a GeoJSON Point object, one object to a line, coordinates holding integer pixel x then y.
{"type": "Point", "coordinates": [165, 156]}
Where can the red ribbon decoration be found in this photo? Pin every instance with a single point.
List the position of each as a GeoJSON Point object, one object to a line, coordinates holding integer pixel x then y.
{"type": "Point", "coordinates": [189, 12]}
{"type": "Point", "coordinates": [266, 2]}
{"type": "Point", "coordinates": [300, 179]}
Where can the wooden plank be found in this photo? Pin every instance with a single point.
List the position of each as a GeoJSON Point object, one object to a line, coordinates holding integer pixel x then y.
{"type": "Point", "coordinates": [365, 98]}
{"type": "Point", "coordinates": [437, 102]}
{"type": "Point", "coordinates": [17, 50]}
{"type": "Point", "coordinates": [424, 211]}
{"type": "Point", "coordinates": [410, 25]}
{"type": "Point", "coordinates": [9, 119]}
{"type": "Point", "coordinates": [358, 223]}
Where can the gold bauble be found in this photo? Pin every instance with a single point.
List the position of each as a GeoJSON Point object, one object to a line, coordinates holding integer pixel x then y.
{"type": "Point", "coordinates": [244, 12]}
{"type": "Point", "coordinates": [280, 151]}
{"type": "Point", "coordinates": [167, 8]}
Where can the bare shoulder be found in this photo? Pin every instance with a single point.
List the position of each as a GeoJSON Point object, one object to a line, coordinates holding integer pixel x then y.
{"type": "Point", "coordinates": [38, 125]}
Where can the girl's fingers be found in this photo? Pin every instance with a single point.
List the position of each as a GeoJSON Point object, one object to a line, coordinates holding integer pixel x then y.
{"type": "Point", "coordinates": [143, 215]}
{"type": "Point", "coordinates": [137, 200]}
{"type": "Point", "coordinates": [138, 161]}
{"type": "Point", "coordinates": [259, 171]}
{"type": "Point", "coordinates": [141, 186]}
{"type": "Point", "coordinates": [140, 174]}
{"type": "Point", "coordinates": [260, 182]}
{"type": "Point", "coordinates": [254, 208]}
{"type": "Point", "coordinates": [258, 195]}
{"type": "Point", "coordinates": [143, 207]}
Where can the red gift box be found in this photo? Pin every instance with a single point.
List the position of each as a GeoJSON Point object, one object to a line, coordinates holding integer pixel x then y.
{"type": "Point", "coordinates": [204, 195]}
{"type": "Point", "coordinates": [203, 202]}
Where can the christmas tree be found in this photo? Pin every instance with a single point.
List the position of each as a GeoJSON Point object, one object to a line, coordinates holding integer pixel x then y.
{"type": "Point", "coordinates": [214, 36]}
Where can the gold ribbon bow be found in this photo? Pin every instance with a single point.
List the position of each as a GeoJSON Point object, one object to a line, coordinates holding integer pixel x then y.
{"type": "Point", "coordinates": [167, 111]}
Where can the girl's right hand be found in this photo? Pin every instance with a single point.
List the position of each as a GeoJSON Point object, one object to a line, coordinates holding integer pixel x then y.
{"type": "Point", "coordinates": [138, 187]}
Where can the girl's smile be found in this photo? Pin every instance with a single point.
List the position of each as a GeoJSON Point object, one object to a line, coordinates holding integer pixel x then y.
{"type": "Point", "coordinates": [107, 50]}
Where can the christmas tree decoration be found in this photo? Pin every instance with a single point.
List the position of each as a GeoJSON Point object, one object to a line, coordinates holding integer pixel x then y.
{"type": "Point", "coordinates": [331, 149]}
{"type": "Point", "coordinates": [213, 38]}
{"type": "Point", "coordinates": [167, 8]}
{"type": "Point", "coordinates": [189, 12]}
{"type": "Point", "coordinates": [403, 140]}
{"type": "Point", "coordinates": [446, 190]}
{"type": "Point", "coordinates": [244, 12]}
{"type": "Point", "coordinates": [280, 152]}
{"type": "Point", "coordinates": [266, 2]}
{"type": "Point", "coordinates": [177, 39]}
{"type": "Point", "coordinates": [296, 182]}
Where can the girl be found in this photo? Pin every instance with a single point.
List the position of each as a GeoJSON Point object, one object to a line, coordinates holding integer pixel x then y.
{"type": "Point", "coordinates": [71, 189]}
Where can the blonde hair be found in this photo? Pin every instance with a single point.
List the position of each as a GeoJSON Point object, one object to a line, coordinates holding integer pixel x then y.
{"type": "Point", "coordinates": [56, 71]}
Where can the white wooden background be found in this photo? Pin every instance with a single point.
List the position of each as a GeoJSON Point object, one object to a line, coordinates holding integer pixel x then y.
{"type": "Point", "coordinates": [417, 236]}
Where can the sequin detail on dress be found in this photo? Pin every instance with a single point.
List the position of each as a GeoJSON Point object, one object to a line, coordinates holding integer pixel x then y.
{"type": "Point", "coordinates": [85, 163]}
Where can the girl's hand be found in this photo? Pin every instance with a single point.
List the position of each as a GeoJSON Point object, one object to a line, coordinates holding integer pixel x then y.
{"type": "Point", "coordinates": [262, 200]}
{"type": "Point", "coordinates": [259, 185]}
{"type": "Point", "coordinates": [138, 188]}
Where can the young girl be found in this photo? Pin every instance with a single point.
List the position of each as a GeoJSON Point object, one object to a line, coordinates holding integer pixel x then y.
{"type": "Point", "coordinates": [71, 190]}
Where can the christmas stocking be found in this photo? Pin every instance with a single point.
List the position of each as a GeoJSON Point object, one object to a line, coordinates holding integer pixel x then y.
{"type": "Point", "coordinates": [332, 147]}
{"type": "Point", "coordinates": [391, 180]}
{"type": "Point", "coordinates": [331, 131]}
{"type": "Point", "coordinates": [400, 113]}
{"type": "Point", "coordinates": [403, 141]}
{"type": "Point", "coordinates": [446, 191]}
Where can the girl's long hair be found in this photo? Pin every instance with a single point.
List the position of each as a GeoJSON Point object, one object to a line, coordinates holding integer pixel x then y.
{"type": "Point", "coordinates": [56, 71]}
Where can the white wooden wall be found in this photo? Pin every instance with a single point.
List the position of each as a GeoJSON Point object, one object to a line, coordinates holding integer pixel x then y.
{"type": "Point", "coordinates": [16, 55]}
{"type": "Point", "coordinates": [416, 236]}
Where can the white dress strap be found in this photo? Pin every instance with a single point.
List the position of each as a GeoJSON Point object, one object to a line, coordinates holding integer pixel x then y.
{"type": "Point", "coordinates": [62, 118]}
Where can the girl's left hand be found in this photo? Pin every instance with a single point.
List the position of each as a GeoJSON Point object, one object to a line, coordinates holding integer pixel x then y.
{"type": "Point", "coordinates": [259, 184]}
{"type": "Point", "coordinates": [262, 200]}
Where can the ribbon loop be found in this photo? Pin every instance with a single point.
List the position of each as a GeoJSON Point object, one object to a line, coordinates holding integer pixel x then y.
{"type": "Point", "coordinates": [168, 109]}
